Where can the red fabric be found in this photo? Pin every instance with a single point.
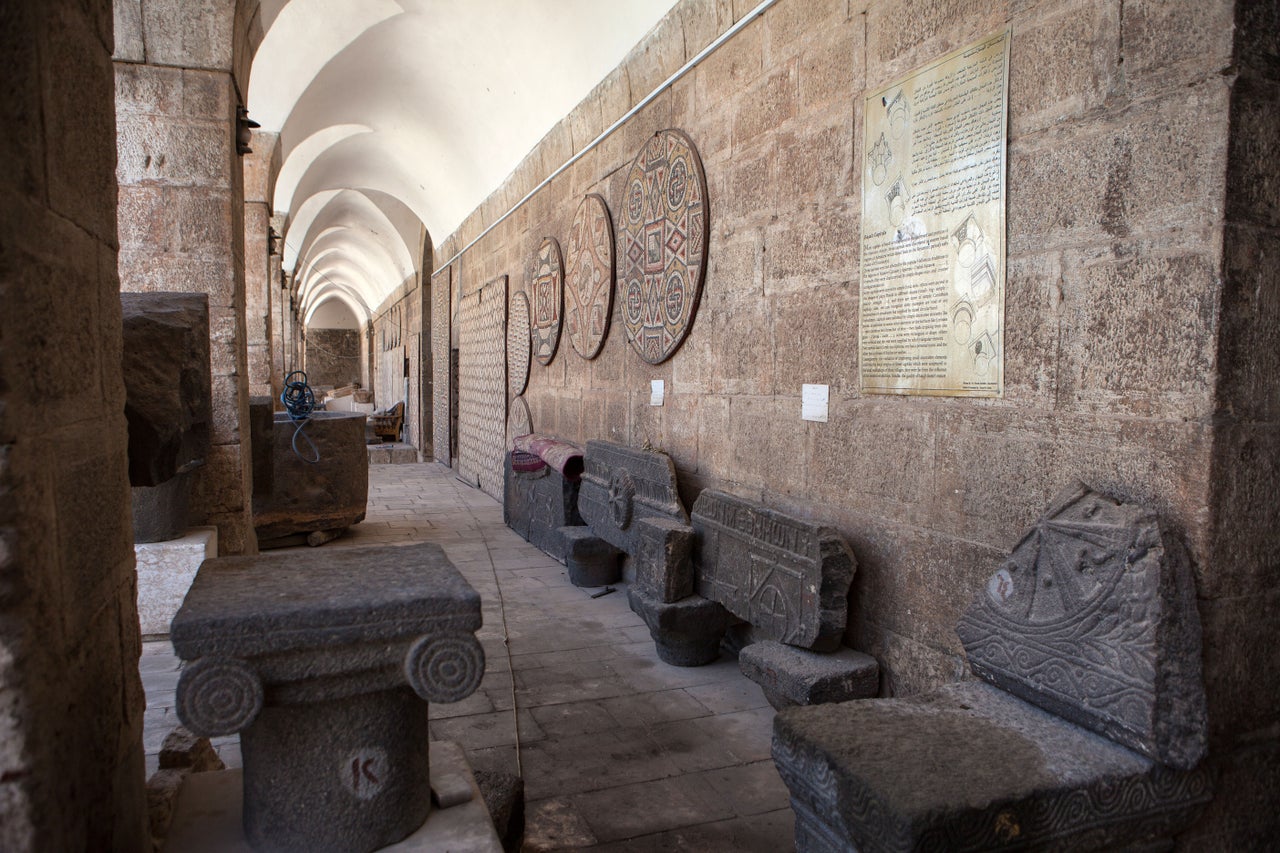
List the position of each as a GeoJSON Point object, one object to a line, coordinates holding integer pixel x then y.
{"type": "Point", "coordinates": [564, 456]}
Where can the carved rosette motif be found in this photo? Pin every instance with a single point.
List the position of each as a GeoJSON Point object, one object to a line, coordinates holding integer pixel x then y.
{"type": "Point", "coordinates": [662, 244]}
{"type": "Point", "coordinates": [445, 668]}
{"type": "Point", "coordinates": [546, 287]}
{"type": "Point", "coordinates": [622, 493]}
{"type": "Point", "coordinates": [218, 696]}
{"type": "Point", "coordinates": [589, 279]}
{"type": "Point", "coordinates": [518, 344]}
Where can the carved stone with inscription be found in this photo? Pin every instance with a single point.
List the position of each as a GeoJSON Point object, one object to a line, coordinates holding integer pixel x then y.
{"type": "Point", "coordinates": [622, 485]}
{"type": "Point", "coordinates": [788, 577]}
{"type": "Point", "coordinates": [1093, 619]}
{"type": "Point", "coordinates": [325, 667]}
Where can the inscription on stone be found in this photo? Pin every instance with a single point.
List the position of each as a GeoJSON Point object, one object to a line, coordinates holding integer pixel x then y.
{"type": "Point", "coordinates": [931, 311]}
{"type": "Point", "coordinates": [789, 578]}
{"type": "Point", "coordinates": [364, 772]}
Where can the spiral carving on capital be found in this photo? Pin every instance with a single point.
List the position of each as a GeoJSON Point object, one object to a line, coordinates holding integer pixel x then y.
{"type": "Point", "coordinates": [218, 696]}
{"type": "Point", "coordinates": [445, 668]}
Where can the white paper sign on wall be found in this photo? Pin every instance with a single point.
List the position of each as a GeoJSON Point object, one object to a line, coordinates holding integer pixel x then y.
{"type": "Point", "coordinates": [657, 392]}
{"type": "Point", "coordinates": [813, 403]}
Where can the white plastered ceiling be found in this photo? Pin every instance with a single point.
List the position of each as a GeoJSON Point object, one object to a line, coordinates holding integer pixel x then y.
{"type": "Point", "coordinates": [397, 118]}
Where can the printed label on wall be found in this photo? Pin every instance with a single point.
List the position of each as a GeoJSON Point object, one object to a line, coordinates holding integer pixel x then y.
{"type": "Point", "coordinates": [931, 303]}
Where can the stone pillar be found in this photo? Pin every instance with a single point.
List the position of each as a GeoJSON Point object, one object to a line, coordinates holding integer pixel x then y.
{"type": "Point", "coordinates": [181, 209]}
{"type": "Point", "coordinates": [71, 705]}
{"type": "Point", "coordinates": [260, 168]}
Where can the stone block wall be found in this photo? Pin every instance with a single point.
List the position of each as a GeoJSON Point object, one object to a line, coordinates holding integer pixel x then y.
{"type": "Point", "coordinates": [71, 705]}
{"type": "Point", "coordinates": [1140, 308]}
{"type": "Point", "coordinates": [181, 212]}
{"type": "Point", "coordinates": [398, 325]}
{"type": "Point", "coordinates": [333, 357]}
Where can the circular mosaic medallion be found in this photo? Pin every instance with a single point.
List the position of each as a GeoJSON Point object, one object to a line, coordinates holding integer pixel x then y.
{"type": "Point", "coordinates": [546, 288]}
{"type": "Point", "coordinates": [588, 291]}
{"type": "Point", "coordinates": [662, 245]}
{"type": "Point", "coordinates": [518, 344]}
{"type": "Point", "coordinates": [519, 422]}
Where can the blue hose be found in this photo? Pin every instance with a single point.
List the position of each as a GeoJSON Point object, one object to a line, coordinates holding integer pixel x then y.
{"type": "Point", "coordinates": [299, 401]}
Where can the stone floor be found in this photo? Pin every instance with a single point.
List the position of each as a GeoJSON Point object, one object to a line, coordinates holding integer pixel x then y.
{"type": "Point", "coordinates": [619, 751]}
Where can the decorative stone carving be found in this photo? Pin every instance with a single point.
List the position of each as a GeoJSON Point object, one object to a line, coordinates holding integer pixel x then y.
{"type": "Point", "coordinates": [664, 569]}
{"type": "Point", "coordinates": [588, 293]}
{"type": "Point", "coordinates": [518, 344]}
{"type": "Point", "coordinates": [345, 645]}
{"type": "Point", "coordinates": [1093, 618]}
{"type": "Point", "coordinates": [546, 284]}
{"type": "Point", "coordinates": [621, 485]}
{"type": "Point", "coordinates": [662, 244]}
{"type": "Point", "coordinates": [791, 676]}
{"type": "Point", "coordinates": [788, 577]}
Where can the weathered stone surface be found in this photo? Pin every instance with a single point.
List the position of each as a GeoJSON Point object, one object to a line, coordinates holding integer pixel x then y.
{"type": "Point", "coordinates": [791, 676]}
{"type": "Point", "coordinates": [167, 381]}
{"type": "Point", "coordinates": [1093, 617]}
{"type": "Point", "coordinates": [503, 795]}
{"type": "Point", "coordinates": [970, 768]}
{"type": "Point", "coordinates": [261, 424]}
{"type": "Point", "coordinates": [591, 561]}
{"type": "Point", "coordinates": [160, 512]}
{"type": "Point", "coordinates": [183, 750]}
{"type": "Point", "coordinates": [622, 485]}
{"type": "Point", "coordinates": [788, 577]}
{"type": "Point", "coordinates": [664, 568]}
{"type": "Point", "coordinates": [347, 646]}
{"type": "Point", "coordinates": [685, 632]}
{"type": "Point", "coordinates": [327, 494]}
{"type": "Point", "coordinates": [536, 504]}
{"type": "Point", "coordinates": [165, 573]}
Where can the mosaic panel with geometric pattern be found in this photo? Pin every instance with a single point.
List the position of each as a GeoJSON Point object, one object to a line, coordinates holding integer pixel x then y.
{"type": "Point", "coordinates": [588, 284]}
{"type": "Point", "coordinates": [662, 244]}
{"type": "Point", "coordinates": [546, 292]}
{"type": "Point", "coordinates": [441, 283]}
{"type": "Point", "coordinates": [518, 344]}
{"type": "Point", "coordinates": [482, 387]}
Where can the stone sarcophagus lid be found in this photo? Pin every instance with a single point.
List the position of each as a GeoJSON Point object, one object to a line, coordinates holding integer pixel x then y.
{"type": "Point", "coordinates": [325, 665]}
{"type": "Point", "coordinates": [786, 576]}
{"type": "Point", "coordinates": [622, 486]}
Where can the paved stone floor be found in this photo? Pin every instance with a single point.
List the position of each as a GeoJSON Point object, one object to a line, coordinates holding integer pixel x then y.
{"type": "Point", "coordinates": [619, 751]}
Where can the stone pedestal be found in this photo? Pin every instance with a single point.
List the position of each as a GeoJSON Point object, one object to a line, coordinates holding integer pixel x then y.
{"type": "Point", "coordinates": [165, 573]}
{"type": "Point", "coordinates": [309, 660]}
{"type": "Point", "coordinates": [591, 561]}
{"type": "Point", "coordinates": [685, 632]}
{"type": "Point", "coordinates": [791, 676]}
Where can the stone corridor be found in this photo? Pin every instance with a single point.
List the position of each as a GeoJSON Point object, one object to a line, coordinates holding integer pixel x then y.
{"type": "Point", "coordinates": [618, 750]}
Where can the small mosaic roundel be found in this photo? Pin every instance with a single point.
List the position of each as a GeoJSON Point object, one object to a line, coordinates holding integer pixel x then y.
{"type": "Point", "coordinates": [519, 421]}
{"type": "Point", "coordinates": [588, 290]}
{"type": "Point", "coordinates": [518, 344]}
{"type": "Point", "coordinates": [546, 288]}
{"type": "Point", "coordinates": [662, 245]}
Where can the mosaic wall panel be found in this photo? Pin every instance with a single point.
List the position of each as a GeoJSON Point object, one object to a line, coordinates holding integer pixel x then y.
{"type": "Point", "coordinates": [519, 421]}
{"type": "Point", "coordinates": [546, 288]}
{"type": "Point", "coordinates": [588, 286]}
{"type": "Point", "coordinates": [518, 344]}
{"type": "Point", "coordinates": [482, 387]}
{"type": "Point", "coordinates": [662, 244]}
{"type": "Point", "coordinates": [440, 286]}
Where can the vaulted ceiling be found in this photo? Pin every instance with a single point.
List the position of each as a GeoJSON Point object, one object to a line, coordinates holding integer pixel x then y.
{"type": "Point", "coordinates": [396, 116]}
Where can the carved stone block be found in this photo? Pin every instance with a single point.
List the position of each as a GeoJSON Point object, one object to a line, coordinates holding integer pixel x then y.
{"type": "Point", "coordinates": [685, 632]}
{"type": "Point", "coordinates": [622, 485]}
{"type": "Point", "coordinates": [538, 503]}
{"type": "Point", "coordinates": [788, 577]}
{"type": "Point", "coordinates": [591, 561]}
{"type": "Point", "coordinates": [323, 665]}
{"type": "Point", "coordinates": [791, 676]}
{"type": "Point", "coordinates": [664, 568]}
{"type": "Point", "coordinates": [1093, 618]}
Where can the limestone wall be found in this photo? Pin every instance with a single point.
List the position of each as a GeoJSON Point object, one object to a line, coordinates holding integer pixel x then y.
{"type": "Point", "coordinates": [1141, 290]}
{"type": "Point", "coordinates": [71, 706]}
{"type": "Point", "coordinates": [333, 357]}
{"type": "Point", "coordinates": [397, 335]}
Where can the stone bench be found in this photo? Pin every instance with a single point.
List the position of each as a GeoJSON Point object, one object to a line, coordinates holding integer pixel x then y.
{"type": "Point", "coordinates": [325, 665]}
{"type": "Point", "coordinates": [1086, 731]}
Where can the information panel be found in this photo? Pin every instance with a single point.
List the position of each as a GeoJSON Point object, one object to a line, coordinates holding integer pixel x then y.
{"type": "Point", "coordinates": [933, 232]}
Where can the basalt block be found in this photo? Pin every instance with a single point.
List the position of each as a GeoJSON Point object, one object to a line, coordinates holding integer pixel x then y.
{"type": "Point", "coordinates": [791, 676]}
{"type": "Point", "coordinates": [622, 485]}
{"type": "Point", "coordinates": [685, 632]}
{"type": "Point", "coordinates": [325, 667]}
{"type": "Point", "coordinates": [788, 577]}
{"type": "Point", "coordinates": [168, 396]}
{"type": "Point", "coordinates": [591, 561]}
{"type": "Point", "coordinates": [1093, 617]}
{"type": "Point", "coordinates": [539, 500]}
{"type": "Point", "coordinates": [663, 560]}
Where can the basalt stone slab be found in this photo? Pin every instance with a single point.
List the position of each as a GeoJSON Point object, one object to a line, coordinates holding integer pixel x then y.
{"type": "Point", "coordinates": [788, 577]}
{"type": "Point", "coordinates": [970, 768]}
{"type": "Point", "coordinates": [323, 666]}
{"type": "Point", "coordinates": [160, 512]}
{"type": "Point", "coordinates": [168, 397]}
{"type": "Point", "coordinates": [261, 423]}
{"type": "Point", "coordinates": [622, 485]}
{"type": "Point", "coordinates": [329, 493]}
{"type": "Point", "coordinates": [791, 676]}
{"type": "Point", "coordinates": [538, 503]}
{"type": "Point", "coordinates": [685, 632]}
{"type": "Point", "coordinates": [664, 565]}
{"type": "Point", "coordinates": [591, 561]}
{"type": "Point", "coordinates": [1093, 617]}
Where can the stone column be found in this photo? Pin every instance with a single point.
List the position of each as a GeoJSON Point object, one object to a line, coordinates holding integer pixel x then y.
{"type": "Point", "coordinates": [260, 168]}
{"type": "Point", "coordinates": [181, 210]}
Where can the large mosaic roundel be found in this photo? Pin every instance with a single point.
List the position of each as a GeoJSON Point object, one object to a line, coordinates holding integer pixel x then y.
{"type": "Point", "coordinates": [518, 344]}
{"type": "Point", "coordinates": [588, 286]}
{"type": "Point", "coordinates": [662, 245]}
{"type": "Point", "coordinates": [546, 286]}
